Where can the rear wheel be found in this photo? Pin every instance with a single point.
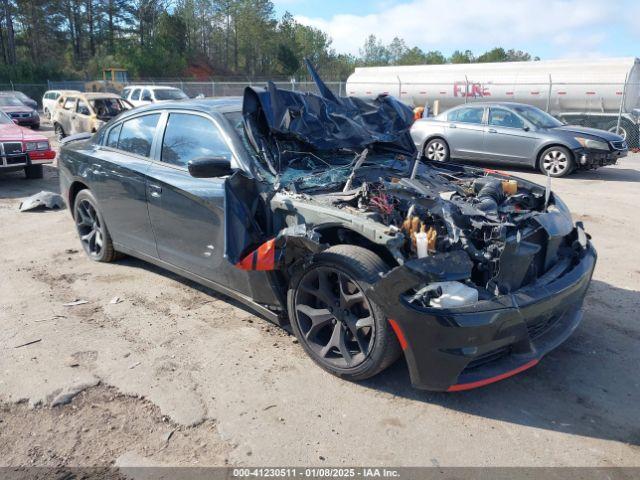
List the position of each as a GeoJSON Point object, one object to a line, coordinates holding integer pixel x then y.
{"type": "Point", "coordinates": [437, 150]}
{"type": "Point", "coordinates": [556, 161]}
{"type": "Point", "coordinates": [339, 327]}
{"type": "Point", "coordinates": [34, 172]}
{"type": "Point", "coordinates": [91, 228]}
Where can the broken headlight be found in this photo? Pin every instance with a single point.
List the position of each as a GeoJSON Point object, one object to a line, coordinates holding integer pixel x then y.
{"type": "Point", "coordinates": [591, 143]}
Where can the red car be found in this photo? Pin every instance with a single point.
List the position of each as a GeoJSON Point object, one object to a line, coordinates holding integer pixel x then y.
{"type": "Point", "coordinates": [23, 149]}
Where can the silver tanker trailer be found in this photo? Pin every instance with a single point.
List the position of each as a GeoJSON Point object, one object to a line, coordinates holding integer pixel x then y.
{"type": "Point", "coordinates": [600, 93]}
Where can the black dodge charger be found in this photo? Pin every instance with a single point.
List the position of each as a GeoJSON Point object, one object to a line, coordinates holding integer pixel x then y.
{"type": "Point", "coordinates": [315, 211]}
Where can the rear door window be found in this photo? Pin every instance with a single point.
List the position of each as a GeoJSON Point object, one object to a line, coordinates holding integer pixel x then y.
{"type": "Point", "coordinates": [83, 108]}
{"type": "Point", "coordinates": [136, 94]}
{"type": "Point", "coordinates": [188, 137]}
{"type": "Point", "coordinates": [136, 135]}
{"type": "Point", "coordinates": [468, 115]}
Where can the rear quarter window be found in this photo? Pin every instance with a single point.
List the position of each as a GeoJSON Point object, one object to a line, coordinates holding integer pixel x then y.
{"type": "Point", "coordinates": [136, 135]}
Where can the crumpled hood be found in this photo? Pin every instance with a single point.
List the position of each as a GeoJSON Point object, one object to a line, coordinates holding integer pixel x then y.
{"type": "Point", "coordinates": [591, 132]}
{"type": "Point", "coordinates": [326, 122]}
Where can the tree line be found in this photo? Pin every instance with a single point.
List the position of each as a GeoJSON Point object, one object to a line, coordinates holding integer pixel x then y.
{"type": "Point", "coordinates": [230, 39]}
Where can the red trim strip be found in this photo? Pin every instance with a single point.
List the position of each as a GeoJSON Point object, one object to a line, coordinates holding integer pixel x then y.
{"type": "Point", "coordinates": [590, 93]}
{"type": "Point", "coordinates": [562, 93]}
{"type": "Point", "coordinates": [481, 383]}
{"type": "Point", "coordinates": [399, 334]}
{"type": "Point", "coordinates": [508, 93]}
{"type": "Point", "coordinates": [535, 93]}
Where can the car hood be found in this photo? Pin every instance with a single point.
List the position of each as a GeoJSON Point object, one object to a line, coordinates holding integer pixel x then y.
{"type": "Point", "coordinates": [589, 132]}
{"type": "Point", "coordinates": [16, 109]}
{"type": "Point", "coordinates": [9, 132]}
{"type": "Point", "coordinates": [279, 122]}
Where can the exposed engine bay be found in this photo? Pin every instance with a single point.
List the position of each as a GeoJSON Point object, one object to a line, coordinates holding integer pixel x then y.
{"type": "Point", "coordinates": [509, 229]}
{"type": "Point", "coordinates": [352, 165]}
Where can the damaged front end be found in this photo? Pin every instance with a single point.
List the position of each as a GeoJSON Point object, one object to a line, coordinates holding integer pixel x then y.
{"type": "Point", "coordinates": [487, 273]}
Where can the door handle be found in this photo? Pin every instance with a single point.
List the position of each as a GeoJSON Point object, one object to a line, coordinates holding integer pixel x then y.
{"type": "Point", "coordinates": [452, 126]}
{"type": "Point", "coordinates": [155, 190]}
{"type": "Point", "coordinates": [492, 130]}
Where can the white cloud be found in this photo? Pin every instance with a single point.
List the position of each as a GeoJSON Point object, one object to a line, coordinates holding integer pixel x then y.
{"type": "Point", "coordinates": [560, 26]}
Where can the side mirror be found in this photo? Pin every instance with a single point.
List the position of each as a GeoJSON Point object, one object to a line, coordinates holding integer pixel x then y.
{"type": "Point", "coordinates": [526, 128]}
{"type": "Point", "coordinates": [209, 167]}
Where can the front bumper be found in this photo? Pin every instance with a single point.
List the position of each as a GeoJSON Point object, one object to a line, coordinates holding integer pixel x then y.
{"type": "Point", "coordinates": [27, 121]}
{"type": "Point", "coordinates": [21, 160]}
{"type": "Point", "coordinates": [588, 159]}
{"type": "Point", "coordinates": [458, 350]}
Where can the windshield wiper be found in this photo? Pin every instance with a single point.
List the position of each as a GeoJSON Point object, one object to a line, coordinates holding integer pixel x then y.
{"type": "Point", "coordinates": [358, 163]}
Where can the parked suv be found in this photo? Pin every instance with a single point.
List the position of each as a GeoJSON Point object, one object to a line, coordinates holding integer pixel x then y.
{"type": "Point", "coordinates": [86, 112]}
{"type": "Point", "coordinates": [518, 134]}
{"type": "Point", "coordinates": [139, 95]}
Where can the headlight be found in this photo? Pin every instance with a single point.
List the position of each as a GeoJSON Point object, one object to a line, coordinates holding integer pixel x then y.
{"type": "Point", "coordinates": [590, 143]}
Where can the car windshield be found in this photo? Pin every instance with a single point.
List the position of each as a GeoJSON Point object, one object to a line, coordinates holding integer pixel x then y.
{"type": "Point", "coordinates": [170, 94]}
{"type": "Point", "coordinates": [10, 102]}
{"type": "Point", "coordinates": [310, 170]}
{"type": "Point", "coordinates": [538, 117]}
{"type": "Point", "coordinates": [4, 118]}
{"type": "Point", "coordinates": [107, 107]}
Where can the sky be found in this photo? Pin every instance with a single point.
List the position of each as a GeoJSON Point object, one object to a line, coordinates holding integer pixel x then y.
{"type": "Point", "coordinates": [546, 28]}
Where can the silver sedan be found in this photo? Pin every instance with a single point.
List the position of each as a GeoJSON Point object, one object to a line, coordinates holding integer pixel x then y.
{"type": "Point", "coordinates": [516, 134]}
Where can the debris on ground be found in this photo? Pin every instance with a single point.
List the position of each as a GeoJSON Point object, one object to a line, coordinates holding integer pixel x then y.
{"type": "Point", "coordinates": [75, 302]}
{"type": "Point", "coordinates": [28, 343]}
{"type": "Point", "coordinates": [115, 300]}
{"type": "Point", "coordinates": [42, 201]}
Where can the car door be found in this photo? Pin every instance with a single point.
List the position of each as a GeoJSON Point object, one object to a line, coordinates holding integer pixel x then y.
{"type": "Point", "coordinates": [187, 213]}
{"type": "Point", "coordinates": [119, 172]}
{"type": "Point", "coordinates": [465, 132]}
{"type": "Point", "coordinates": [81, 118]}
{"type": "Point", "coordinates": [65, 114]}
{"type": "Point", "coordinates": [508, 137]}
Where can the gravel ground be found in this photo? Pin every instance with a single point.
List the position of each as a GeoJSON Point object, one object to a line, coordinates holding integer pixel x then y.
{"type": "Point", "coordinates": [175, 374]}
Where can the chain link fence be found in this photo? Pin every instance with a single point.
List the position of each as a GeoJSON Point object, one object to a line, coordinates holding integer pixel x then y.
{"type": "Point", "coordinates": [607, 106]}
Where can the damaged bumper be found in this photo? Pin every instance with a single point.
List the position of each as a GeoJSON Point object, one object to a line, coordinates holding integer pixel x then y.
{"type": "Point", "coordinates": [589, 158]}
{"type": "Point", "coordinates": [468, 347]}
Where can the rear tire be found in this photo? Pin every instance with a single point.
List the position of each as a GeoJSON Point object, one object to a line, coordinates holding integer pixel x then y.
{"type": "Point", "coordinates": [92, 230]}
{"type": "Point", "coordinates": [436, 150]}
{"type": "Point", "coordinates": [34, 172]}
{"type": "Point", "coordinates": [339, 327]}
{"type": "Point", "coordinates": [556, 161]}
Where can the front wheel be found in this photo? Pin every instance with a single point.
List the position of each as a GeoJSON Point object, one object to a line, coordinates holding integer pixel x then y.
{"type": "Point", "coordinates": [437, 150]}
{"type": "Point", "coordinates": [339, 327]}
{"type": "Point", "coordinates": [556, 162]}
{"type": "Point", "coordinates": [92, 230]}
{"type": "Point", "coordinates": [59, 131]}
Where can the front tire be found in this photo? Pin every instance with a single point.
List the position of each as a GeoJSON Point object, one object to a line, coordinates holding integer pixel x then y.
{"type": "Point", "coordinates": [339, 327]}
{"type": "Point", "coordinates": [34, 172]}
{"type": "Point", "coordinates": [436, 150]}
{"type": "Point", "coordinates": [556, 161]}
{"type": "Point", "coordinates": [59, 131]}
{"type": "Point", "coordinates": [92, 230]}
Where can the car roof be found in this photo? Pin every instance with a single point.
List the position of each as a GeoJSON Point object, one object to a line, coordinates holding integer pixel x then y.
{"type": "Point", "coordinates": [152, 87]}
{"type": "Point", "coordinates": [208, 105]}
{"type": "Point", "coordinates": [492, 104]}
{"type": "Point", "coordinates": [91, 95]}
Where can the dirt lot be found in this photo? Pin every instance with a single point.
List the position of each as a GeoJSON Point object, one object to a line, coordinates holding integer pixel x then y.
{"type": "Point", "coordinates": [173, 373]}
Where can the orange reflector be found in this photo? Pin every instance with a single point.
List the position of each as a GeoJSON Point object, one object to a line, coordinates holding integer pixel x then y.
{"type": "Point", "coordinates": [399, 334]}
{"type": "Point", "coordinates": [262, 258]}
